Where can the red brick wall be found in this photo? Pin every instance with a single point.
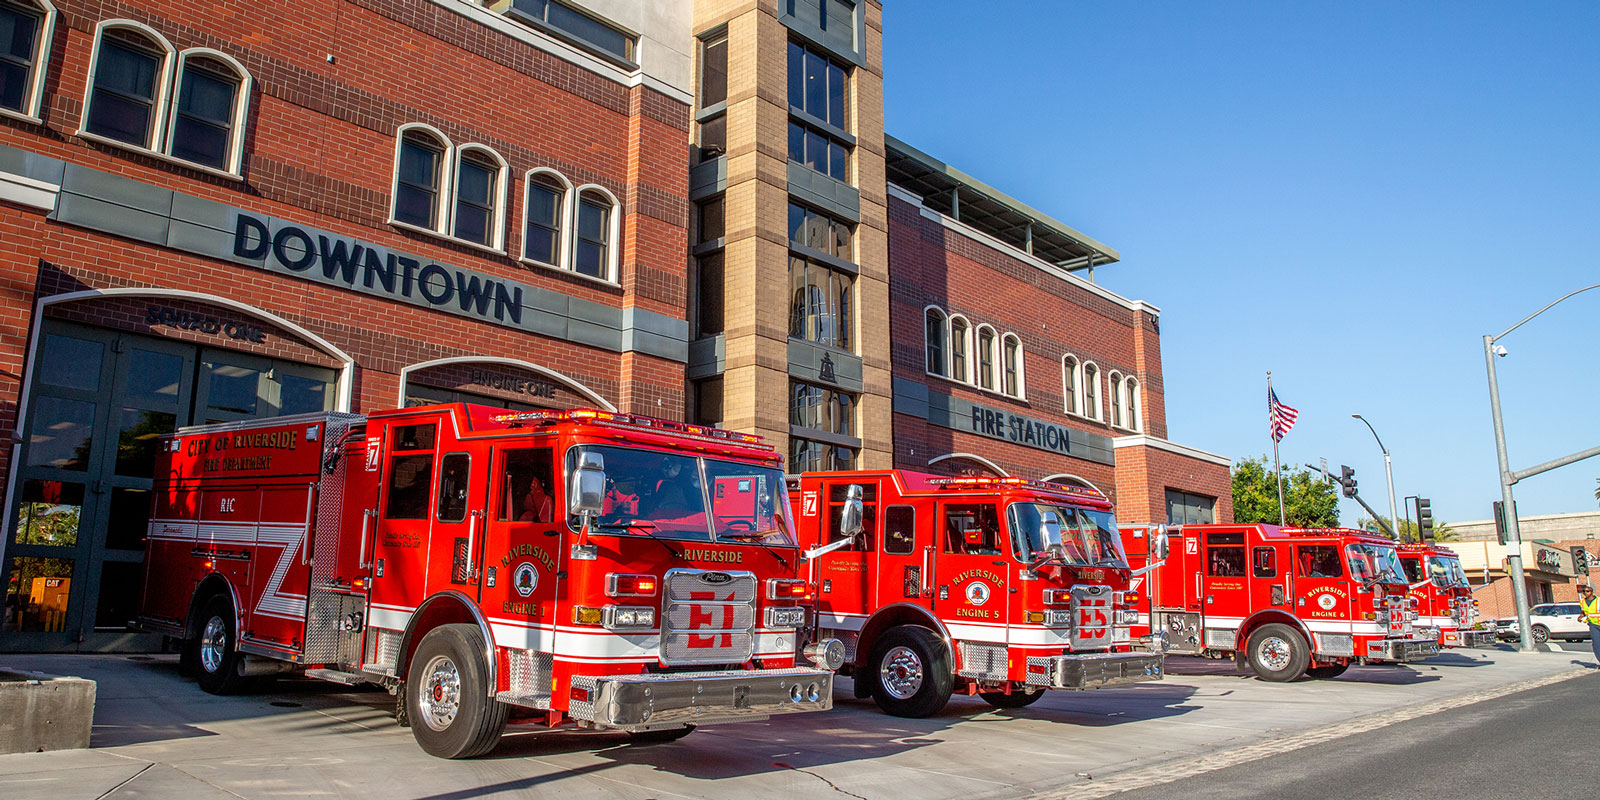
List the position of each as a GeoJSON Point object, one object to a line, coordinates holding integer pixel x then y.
{"type": "Point", "coordinates": [333, 82]}
{"type": "Point", "coordinates": [930, 264]}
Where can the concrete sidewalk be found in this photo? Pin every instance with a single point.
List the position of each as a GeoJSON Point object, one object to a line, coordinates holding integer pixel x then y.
{"type": "Point", "coordinates": [157, 735]}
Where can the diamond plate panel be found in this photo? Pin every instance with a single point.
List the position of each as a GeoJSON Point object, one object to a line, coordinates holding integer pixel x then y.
{"type": "Point", "coordinates": [325, 642]}
{"type": "Point", "coordinates": [979, 660]}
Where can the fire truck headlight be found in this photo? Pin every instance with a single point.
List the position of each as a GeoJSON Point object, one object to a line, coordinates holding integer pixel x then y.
{"type": "Point", "coordinates": [629, 617]}
{"type": "Point", "coordinates": [785, 616]}
{"type": "Point", "coordinates": [1126, 616]}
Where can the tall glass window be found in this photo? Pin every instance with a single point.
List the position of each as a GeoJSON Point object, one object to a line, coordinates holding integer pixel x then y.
{"type": "Point", "coordinates": [19, 47]}
{"type": "Point", "coordinates": [826, 411]}
{"type": "Point", "coordinates": [418, 185]}
{"type": "Point", "coordinates": [202, 131]}
{"type": "Point", "coordinates": [122, 103]}
{"type": "Point", "coordinates": [819, 309]}
{"type": "Point", "coordinates": [476, 194]}
{"type": "Point", "coordinates": [934, 336]}
{"type": "Point", "coordinates": [986, 357]}
{"type": "Point", "coordinates": [593, 253]}
{"type": "Point", "coordinates": [541, 241]}
{"type": "Point", "coordinates": [819, 91]}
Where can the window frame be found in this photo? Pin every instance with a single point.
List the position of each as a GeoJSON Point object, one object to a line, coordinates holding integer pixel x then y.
{"type": "Point", "coordinates": [627, 61]}
{"type": "Point", "coordinates": [38, 66]}
{"type": "Point", "coordinates": [987, 377]}
{"type": "Point", "coordinates": [1132, 413]}
{"type": "Point", "coordinates": [241, 108]}
{"type": "Point", "coordinates": [943, 343]}
{"type": "Point", "coordinates": [613, 233]}
{"type": "Point", "coordinates": [965, 340]}
{"type": "Point", "coordinates": [1021, 388]}
{"type": "Point", "coordinates": [1071, 385]}
{"type": "Point", "coordinates": [502, 172]}
{"type": "Point", "coordinates": [1091, 391]}
{"type": "Point", "coordinates": [1114, 394]}
{"type": "Point", "coordinates": [161, 85]}
{"type": "Point", "coordinates": [839, 307]}
{"type": "Point", "coordinates": [442, 192]}
{"type": "Point", "coordinates": [563, 229]}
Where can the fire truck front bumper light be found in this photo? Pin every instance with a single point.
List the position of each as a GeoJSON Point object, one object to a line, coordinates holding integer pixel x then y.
{"type": "Point", "coordinates": [649, 702]}
{"type": "Point", "coordinates": [1402, 650]}
{"type": "Point", "coordinates": [1095, 670]}
{"type": "Point", "coordinates": [629, 617]}
{"type": "Point", "coordinates": [786, 616]}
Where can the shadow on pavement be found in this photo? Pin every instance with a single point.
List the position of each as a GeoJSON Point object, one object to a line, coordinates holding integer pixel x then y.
{"type": "Point", "coordinates": [1448, 659]}
{"type": "Point", "coordinates": [1385, 675]}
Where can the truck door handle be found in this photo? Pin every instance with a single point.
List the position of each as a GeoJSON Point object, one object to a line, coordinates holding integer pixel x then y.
{"type": "Point", "coordinates": [927, 571]}
{"type": "Point", "coordinates": [366, 519]}
{"type": "Point", "coordinates": [472, 545]}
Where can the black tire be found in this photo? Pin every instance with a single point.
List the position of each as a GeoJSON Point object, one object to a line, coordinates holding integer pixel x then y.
{"type": "Point", "coordinates": [910, 672]}
{"type": "Point", "coordinates": [1541, 633]}
{"type": "Point", "coordinates": [215, 648]}
{"type": "Point", "coordinates": [1327, 672]}
{"type": "Point", "coordinates": [446, 695]}
{"type": "Point", "coordinates": [1278, 653]}
{"type": "Point", "coordinates": [1018, 698]}
{"type": "Point", "coordinates": [661, 736]}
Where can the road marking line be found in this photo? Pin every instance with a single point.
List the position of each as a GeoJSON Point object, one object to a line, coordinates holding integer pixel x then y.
{"type": "Point", "coordinates": [1210, 762]}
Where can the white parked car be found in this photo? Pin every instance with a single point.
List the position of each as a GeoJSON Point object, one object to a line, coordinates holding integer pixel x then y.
{"type": "Point", "coordinates": [1550, 621]}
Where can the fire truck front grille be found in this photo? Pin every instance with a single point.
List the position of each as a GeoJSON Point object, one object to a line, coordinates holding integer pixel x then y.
{"type": "Point", "coordinates": [528, 674]}
{"type": "Point", "coordinates": [985, 661]}
{"type": "Point", "coordinates": [709, 617]}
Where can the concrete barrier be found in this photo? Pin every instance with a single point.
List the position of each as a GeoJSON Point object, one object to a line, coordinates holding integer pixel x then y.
{"type": "Point", "coordinates": [44, 712]}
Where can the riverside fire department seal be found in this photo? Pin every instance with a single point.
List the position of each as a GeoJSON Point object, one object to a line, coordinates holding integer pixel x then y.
{"type": "Point", "coordinates": [1327, 601]}
{"type": "Point", "coordinates": [525, 578]}
{"type": "Point", "coordinates": [977, 593]}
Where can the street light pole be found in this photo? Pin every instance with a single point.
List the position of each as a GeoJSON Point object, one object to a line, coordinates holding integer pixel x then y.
{"type": "Point", "coordinates": [1519, 592]}
{"type": "Point", "coordinates": [1388, 469]}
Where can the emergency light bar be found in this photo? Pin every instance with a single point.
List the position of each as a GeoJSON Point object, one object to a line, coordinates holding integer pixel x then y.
{"type": "Point", "coordinates": [964, 483]}
{"type": "Point", "coordinates": [616, 419]}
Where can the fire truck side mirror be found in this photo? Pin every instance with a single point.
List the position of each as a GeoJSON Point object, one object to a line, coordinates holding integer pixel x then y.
{"type": "Point", "coordinates": [1158, 545]}
{"type": "Point", "coordinates": [1051, 523]}
{"type": "Point", "coordinates": [588, 490]}
{"type": "Point", "coordinates": [850, 516]}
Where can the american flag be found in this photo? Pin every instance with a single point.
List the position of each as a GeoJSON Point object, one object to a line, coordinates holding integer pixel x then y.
{"type": "Point", "coordinates": [1279, 416]}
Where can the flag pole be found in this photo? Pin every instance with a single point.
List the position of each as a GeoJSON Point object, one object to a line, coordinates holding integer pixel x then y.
{"type": "Point", "coordinates": [1277, 468]}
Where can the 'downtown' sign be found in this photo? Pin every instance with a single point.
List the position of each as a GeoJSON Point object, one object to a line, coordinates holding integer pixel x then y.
{"type": "Point", "coordinates": [378, 270]}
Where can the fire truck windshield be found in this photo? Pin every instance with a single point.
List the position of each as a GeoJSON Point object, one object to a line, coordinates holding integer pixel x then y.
{"type": "Point", "coordinates": [1373, 563]}
{"type": "Point", "coordinates": [667, 495]}
{"type": "Point", "coordinates": [1446, 572]}
{"type": "Point", "coordinates": [1087, 538]}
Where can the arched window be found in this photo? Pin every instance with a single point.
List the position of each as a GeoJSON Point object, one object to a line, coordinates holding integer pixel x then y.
{"type": "Point", "coordinates": [545, 210]}
{"type": "Point", "coordinates": [420, 177]}
{"type": "Point", "coordinates": [1011, 365]}
{"type": "Point", "coordinates": [208, 120]}
{"type": "Point", "coordinates": [986, 356]}
{"type": "Point", "coordinates": [480, 178]}
{"type": "Point", "coordinates": [595, 251]}
{"type": "Point", "coordinates": [126, 102]}
{"type": "Point", "coordinates": [26, 29]}
{"type": "Point", "coordinates": [934, 336]}
{"type": "Point", "coordinates": [1091, 390]}
{"type": "Point", "coordinates": [1069, 385]}
{"type": "Point", "coordinates": [1135, 421]}
{"type": "Point", "coordinates": [959, 346]}
{"type": "Point", "coordinates": [1115, 394]}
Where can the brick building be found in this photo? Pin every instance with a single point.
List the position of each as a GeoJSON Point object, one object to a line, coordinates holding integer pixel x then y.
{"type": "Point", "coordinates": [224, 211]}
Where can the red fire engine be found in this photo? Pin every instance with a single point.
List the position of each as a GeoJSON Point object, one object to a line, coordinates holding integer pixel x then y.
{"type": "Point", "coordinates": [996, 587]}
{"type": "Point", "coordinates": [1290, 601]}
{"type": "Point", "coordinates": [1445, 608]}
{"type": "Point", "coordinates": [614, 571]}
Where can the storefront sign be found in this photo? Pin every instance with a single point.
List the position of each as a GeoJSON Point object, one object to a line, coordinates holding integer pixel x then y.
{"type": "Point", "coordinates": [189, 321]}
{"type": "Point", "coordinates": [508, 383]}
{"type": "Point", "coordinates": [376, 270]}
{"type": "Point", "coordinates": [1549, 559]}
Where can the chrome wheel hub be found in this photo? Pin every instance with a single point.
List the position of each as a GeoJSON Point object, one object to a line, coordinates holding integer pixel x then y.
{"type": "Point", "coordinates": [440, 695]}
{"type": "Point", "coordinates": [901, 673]}
{"type": "Point", "coordinates": [1275, 653]}
{"type": "Point", "coordinates": [213, 643]}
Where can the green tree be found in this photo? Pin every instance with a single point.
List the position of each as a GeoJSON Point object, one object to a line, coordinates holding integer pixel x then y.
{"type": "Point", "coordinates": [1442, 532]}
{"type": "Point", "coordinates": [1310, 502]}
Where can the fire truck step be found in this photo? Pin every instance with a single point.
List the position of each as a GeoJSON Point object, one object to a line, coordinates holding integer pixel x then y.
{"type": "Point", "coordinates": [335, 676]}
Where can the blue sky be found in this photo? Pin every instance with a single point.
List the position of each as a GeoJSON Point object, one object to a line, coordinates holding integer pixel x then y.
{"type": "Point", "coordinates": [1347, 194]}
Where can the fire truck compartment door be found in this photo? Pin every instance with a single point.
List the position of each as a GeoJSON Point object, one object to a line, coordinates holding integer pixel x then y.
{"type": "Point", "coordinates": [1225, 581]}
{"type": "Point", "coordinates": [972, 588]}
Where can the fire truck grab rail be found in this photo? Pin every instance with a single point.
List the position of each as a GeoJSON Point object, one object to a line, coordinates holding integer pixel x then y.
{"type": "Point", "coordinates": [305, 550]}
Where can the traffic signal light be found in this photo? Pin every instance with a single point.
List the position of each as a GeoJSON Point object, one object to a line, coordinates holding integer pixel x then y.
{"type": "Point", "coordinates": [1347, 479]}
{"type": "Point", "coordinates": [1580, 560]}
{"type": "Point", "coordinates": [1424, 520]}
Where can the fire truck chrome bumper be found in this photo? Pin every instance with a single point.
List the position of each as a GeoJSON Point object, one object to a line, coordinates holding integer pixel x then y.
{"type": "Point", "coordinates": [1477, 639]}
{"type": "Point", "coordinates": [1402, 650]}
{"type": "Point", "coordinates": [646, 702]}
{"type": "Point", "coordinates": [1095, 670]}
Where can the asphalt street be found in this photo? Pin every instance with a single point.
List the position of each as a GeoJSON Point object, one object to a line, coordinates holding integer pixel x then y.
{"type": "Point", "coordinates": [1536, 743]}
{"type": "Point", "coordinates": [157, 735]}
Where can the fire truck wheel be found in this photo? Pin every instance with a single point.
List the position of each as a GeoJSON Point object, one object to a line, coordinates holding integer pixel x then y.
{"type": "Point", "coordinates": [1278, 653]}
{"type": "Point", "coordinates": [1328, 671]}
{"type": "Point", "coordinates": [661, 736]}
{"type": "Point", "coordinates": [1017, 699]}
{"type": "Point", "coordinates": [216, 654]}
{"type": "Point", "coordinates": [447, 699]}
{"type": "Point", "coordinates": [913, 676]}
{"type": "Point", "coordinates": [1541, 633]}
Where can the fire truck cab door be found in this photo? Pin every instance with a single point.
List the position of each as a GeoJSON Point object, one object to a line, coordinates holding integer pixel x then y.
{"type": "Point", "coordinates": [1225, 583]}
{"type": "Point", "coordinates": [844, 586]}
{"type": "Point", "coordinates": [905, 563]}
{"type": "Point", "coordinates": [522, 545]}
{"type": "Point", "coordinates": [972, 567]}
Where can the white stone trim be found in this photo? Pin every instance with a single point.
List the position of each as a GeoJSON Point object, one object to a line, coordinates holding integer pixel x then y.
{"type": "Point", "coordinates": [25, 191]}
{"type": "Point", "coordinates": [1142, 440]}
{"type": "Point", "coordinates": [1069, 476]}
{"type": "Point", "coordinates": [564, 380]}
{"type": "Point", "coordinates": [970, 457]}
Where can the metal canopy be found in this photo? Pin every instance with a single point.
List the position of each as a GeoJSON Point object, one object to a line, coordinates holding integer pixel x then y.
{"type": "Point", "coordinates": [959, 196]}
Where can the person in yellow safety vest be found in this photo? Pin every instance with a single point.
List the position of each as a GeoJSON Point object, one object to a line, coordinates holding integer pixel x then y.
{"type": "Point", "coordinates": [1590, 606]}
